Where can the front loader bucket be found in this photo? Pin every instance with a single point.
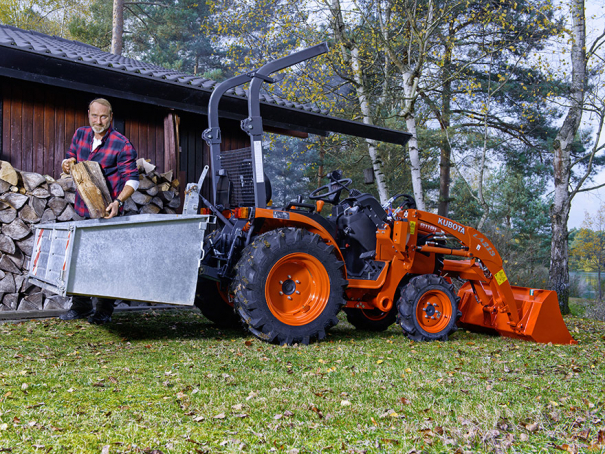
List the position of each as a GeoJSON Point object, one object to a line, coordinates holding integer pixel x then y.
{"type": "Point", "coordinates": [539, 315]}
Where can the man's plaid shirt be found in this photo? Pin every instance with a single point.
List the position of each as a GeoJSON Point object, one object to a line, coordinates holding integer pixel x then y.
{"type": "Point", "coordinates": [116, 155]}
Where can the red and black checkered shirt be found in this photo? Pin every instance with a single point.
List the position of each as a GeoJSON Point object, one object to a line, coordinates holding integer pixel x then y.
{"type": "Point", "coordinates": [116, 156]}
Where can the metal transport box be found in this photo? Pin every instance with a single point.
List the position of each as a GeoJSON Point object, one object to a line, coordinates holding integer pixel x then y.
{"type": "Point", "coordinates": [152, 257]}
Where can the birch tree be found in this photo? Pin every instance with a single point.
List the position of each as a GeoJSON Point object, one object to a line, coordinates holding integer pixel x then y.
{"type": "Point", "coordinates": [580, 100]}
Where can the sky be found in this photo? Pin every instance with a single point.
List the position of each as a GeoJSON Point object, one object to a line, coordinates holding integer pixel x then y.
{"type": "Point", "coordinates": [589, 201]}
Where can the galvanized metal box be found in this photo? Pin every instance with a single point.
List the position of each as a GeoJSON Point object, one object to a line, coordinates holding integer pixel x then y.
{"type": "Point", "coordinates": [153, 258]}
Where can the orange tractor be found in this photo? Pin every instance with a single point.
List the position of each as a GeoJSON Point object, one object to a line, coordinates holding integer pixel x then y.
{"type": "Point", "coordinates": [286, 272]}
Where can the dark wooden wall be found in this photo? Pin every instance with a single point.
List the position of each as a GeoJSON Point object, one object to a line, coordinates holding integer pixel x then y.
{"type": "Point", "coordinates": [194, 150]}
{"type": "Point", "coordinates": [38, 123]}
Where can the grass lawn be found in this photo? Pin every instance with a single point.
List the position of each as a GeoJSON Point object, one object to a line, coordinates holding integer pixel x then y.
{"type": "Point", "coordinates": [168, 381]}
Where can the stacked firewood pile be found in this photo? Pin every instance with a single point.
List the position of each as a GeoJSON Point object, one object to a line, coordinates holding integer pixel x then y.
{"type": "Point", "coordinates": [28, 198]}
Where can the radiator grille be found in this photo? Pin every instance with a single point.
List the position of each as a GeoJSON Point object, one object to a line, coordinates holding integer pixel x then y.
{"type": "Point", "coordinates": [238, 165]}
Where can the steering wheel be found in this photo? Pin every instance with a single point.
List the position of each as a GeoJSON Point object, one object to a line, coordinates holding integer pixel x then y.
{"type": "Point", "coordinates": [408, 203]}
{"type": "Point", "coordinates": [332, 188]}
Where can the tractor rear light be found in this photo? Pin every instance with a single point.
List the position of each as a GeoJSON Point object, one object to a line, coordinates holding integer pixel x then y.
{"type": "Point", "coordinates": [205, 211]}
{"type": "Point", "coordinates": [242, 212]}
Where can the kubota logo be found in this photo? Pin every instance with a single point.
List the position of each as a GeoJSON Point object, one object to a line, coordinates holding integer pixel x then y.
{"type": "Point", "coordinates": [451, 225]}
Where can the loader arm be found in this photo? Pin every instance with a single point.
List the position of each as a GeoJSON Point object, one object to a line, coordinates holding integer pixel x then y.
{"type": "Point", "coordinates": [484, 263]}
{"type": "Point", "coordinates": [488, 300]}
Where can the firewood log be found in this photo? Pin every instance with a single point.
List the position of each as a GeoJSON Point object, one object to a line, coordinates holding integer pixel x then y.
{"type": "Point", "coordinates": [28, 214]}
{"type": "Point", "coordinates": [32, 302]}
{"type": "Point", "coordinates": [8, 216]}
{"type": "Point", "coordinates": [4, 186]}
{"type": "Point", "coordinates": [17, 229]}
{"type": "Point", "coordinates": [48, 216]}
{"type": "Point", "coordinates": [11, 301]}
{"type": "Point", "coordinates": [157, 201]}
{"type": "Point", "coordinates": [140, 199]}
{"type": "Point", "coordinates": [7, 244]}
{"type": "Point", "coordinates": [41, 193]}
{"type": "Point", "coordinates": [153, 191]}
{"type": "Point", "coordinates": [26, 245]}
{"type": "Point", "coordinates": [144, 166]}
{"type": "Point", "coordinates": [166, 196]}
{"type": "Point", "coordinates": [8, 173]}
{"type": "Point", "coordinates": [56, 190]}
{"type": "Point", "coordinates": [130, 205]}
{"type": "Point", "coordinates": [167, 176]}
{"type": "Point", "coordinates": [15, 200]}
{"type": "Point", "coordinates": [6, 264]}
{"type": "Point", "coordinates": [150, 209]}
{"type": "Point", "coordinates": [91, 186]}
{"type": "Point", "coordinates": [32, 180]}
{"type": "Point", "coordinates": [145, 183]}
{"type": "Point", "coordinates": [57, 204]}
{"type": "Point", "coordinates": [39, 205]}
{"type": "Point", "coordinates": [67, 214]}
{"type": "Point", "coordinates": [67, 184]}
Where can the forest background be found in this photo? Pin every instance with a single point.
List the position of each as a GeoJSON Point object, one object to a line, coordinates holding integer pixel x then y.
{"type": "Point", "coordinates": [504, 99]}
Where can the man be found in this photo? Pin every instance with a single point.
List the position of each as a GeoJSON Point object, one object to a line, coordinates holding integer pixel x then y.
{"type": "Point", "coordinates": [117, 158]}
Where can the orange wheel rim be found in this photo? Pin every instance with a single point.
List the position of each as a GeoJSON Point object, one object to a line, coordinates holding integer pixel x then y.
{"type": "Point", "coordinates": [297, 289]}
{"type": "Point", "coordinates": [434, 311]}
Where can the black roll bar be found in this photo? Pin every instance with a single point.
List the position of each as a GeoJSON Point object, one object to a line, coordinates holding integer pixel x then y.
{"type": "Point", "coordinates": [253, 125]}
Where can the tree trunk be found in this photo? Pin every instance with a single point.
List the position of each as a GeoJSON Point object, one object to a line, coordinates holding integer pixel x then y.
{"type": "Point", "coordinates": [559, 211]}
{"type": "Point", "coordinates": [410, 121]}
{"type": "Point", "coordinates": [445, 164]}
{"type": "Point", "coordinates": [367, 119]}
{"type": "Point", "coordinates": [117, 29]}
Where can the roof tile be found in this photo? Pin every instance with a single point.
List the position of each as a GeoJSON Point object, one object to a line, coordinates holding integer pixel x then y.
{"type": "Point", "coordinates": [86, 54]}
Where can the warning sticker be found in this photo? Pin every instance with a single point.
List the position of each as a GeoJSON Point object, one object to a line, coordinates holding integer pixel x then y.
{"type": "Point", "coordinates": [412, 227]}
{"type": "Point", "coordinates": [281, 215]}
{"type": "Point", "coordinates": [500, 277]}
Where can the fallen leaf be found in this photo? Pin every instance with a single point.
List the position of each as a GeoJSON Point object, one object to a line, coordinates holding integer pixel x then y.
{"type": "Point", "coordinates": [288, 413]}
{"type": "Point", "coordinates": [533, 427]}
{"type": "Point", "coordinates": [405, 401]}
{"type": "Point", "coordinates": [601, 437]}
{"type": "Point", "coordinates": [523, 437]}
{"type": "Point", "coordinates": [242, 415]}
{"type": "Point", "coordinates": [237, 407]}
{"type": "Point", "coordinates": [220, 416]}
{"type": "Point", "coordinates": [105, 449]}
{"type": "Point", "coordinates": [345, 403]}
{"type": "Point", "coordinates": [199, 418]}
{"type": "Point", "coordinates": [252, 395]}
{"type": "Point", "coordinates": [278, 416]}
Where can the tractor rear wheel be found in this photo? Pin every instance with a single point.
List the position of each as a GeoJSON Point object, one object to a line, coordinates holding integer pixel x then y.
{"type": "Point", "coordinates": [211, 296]}
{"type": "Point", "coordinates": [289, 286]}
{"type": "Point", "coordinates": [428, 308]}
{"type": "Point", "coordinates": [371, 319]}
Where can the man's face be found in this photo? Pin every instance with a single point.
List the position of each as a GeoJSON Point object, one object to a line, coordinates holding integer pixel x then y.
{"type": "Point", "coordinates": [99, 117]}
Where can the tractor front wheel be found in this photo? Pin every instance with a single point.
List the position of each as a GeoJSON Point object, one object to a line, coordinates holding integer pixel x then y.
{"type": "Point", "coordinates": [428, 308]}
{"type": "Point", "coordinates": [288, 286]}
